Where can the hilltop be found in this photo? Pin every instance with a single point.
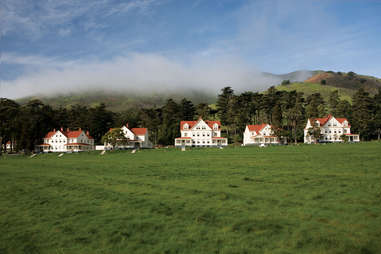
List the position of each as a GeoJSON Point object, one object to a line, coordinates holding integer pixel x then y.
{"type": "Point", "coordinates": [324, 82]}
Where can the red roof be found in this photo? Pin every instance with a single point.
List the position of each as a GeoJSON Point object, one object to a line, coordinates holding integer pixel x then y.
{"type": "Point", "coordinates": [192, 123]}
{"type": "Point", "coordinates": [324, 120]}
{"type": "Point", "coordinates": [257, 128]}
{"type": "Point", "coordinates": [50, 134]}
{"type": "Point", "coordinates": [68, 134]}
{"type": "Point", "coordinates": [139, 131]}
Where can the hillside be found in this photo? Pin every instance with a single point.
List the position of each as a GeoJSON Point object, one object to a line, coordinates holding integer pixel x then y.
{"type": "Point", "coordinates": [308, 82]}
{"type": "Point", "coordinates": [324, 82]}
{"type": "Point", "coordinates": [119, 101]}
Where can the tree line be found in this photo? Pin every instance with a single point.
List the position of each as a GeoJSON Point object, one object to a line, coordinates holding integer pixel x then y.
{"type": "Point", "coordinates": [26, 125]}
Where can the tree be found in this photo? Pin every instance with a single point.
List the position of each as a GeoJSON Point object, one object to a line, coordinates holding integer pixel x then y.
{"type": "Point", "coordinates": [169, 128]}
{"type": "Point", "coordinates": [333, 101]}
{"type": "Point", "coordinates": [344, 109]}
{"type": "Point", "coordinates": [285, 82]}
{"type": "Point", "coordinates": [115, 137]}
{"type": "Point", "coordinates": [9, 114]}
{"type": "Point", "coordinates": [203, 110]}
{"type": "Point", "coordinates": [101, 120]}
{"type": "Point", "coordinates": [315, 106]}
{"type": "Point", "coordinates": [187, 110]}
{"type": "Point", "coordinates": [224, 103]}
{"type": "Point", "coordinates": [377, 113]}
{"type": "Point", "coordinates": [362, 116]}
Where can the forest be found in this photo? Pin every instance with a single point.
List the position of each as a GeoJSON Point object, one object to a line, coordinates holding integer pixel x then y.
{"type": "Point", "coordinates": [26, 124]}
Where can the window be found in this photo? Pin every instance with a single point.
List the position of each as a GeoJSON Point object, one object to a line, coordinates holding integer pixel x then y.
{"type": "Point", "coordinates": [185, 134]}
{"type": "Point", "coordinates": [208, 135]}
{"type": "Point", "coordinates": [203, 134]}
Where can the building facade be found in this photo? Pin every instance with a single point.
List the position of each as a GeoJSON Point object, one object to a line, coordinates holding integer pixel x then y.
{"type": "Point", "coordinates": [136, 138]}
{"type": "Point", "coordinates": [259, 134]}
{"type": "Point", "coordinates": [200, 133]}
{"type": "Point", "coordinates": [67, 141]}
{"type": "Point", "coordinates": [329, 129]}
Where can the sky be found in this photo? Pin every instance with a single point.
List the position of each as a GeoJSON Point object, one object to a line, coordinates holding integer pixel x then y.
{"type": "Point", "coordinates": [64, 46]}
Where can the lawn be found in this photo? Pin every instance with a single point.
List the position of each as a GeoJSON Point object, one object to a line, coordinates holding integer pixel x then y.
{"type": "Point", "coordinates": [285, 199]}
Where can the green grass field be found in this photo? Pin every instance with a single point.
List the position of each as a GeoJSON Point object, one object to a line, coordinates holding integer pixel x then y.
{"type": "Point", "coordinates": [286, 199]}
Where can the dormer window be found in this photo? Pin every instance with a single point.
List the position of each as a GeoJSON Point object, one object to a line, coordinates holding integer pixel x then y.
{"type": "Point", "coordinates": [186, 126]}
{"type": "Point", "coordinates": [215, 126]}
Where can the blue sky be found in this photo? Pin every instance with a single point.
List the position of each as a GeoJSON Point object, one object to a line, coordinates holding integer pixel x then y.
{"type": "Point", "coordinates": [60, 46]}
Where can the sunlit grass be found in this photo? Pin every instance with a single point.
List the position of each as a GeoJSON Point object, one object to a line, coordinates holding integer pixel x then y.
{"type": "Point", "coordinates": [286, 199]}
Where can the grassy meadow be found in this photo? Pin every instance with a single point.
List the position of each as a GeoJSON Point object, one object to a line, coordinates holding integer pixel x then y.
{"type": "Point", "coordinates": [285, 199]}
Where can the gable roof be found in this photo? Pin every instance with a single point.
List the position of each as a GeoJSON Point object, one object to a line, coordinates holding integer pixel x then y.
{"type": "Point", "coordinates": [139, 131]}
{"type": "Point", "coordinates": [193, 123]}
{"type": "Point", "coordinates": [68, 134]}
{"type": "Point", "coordinates": [324, 120]}
{"type": "Point", "coordinates": [257, 127]}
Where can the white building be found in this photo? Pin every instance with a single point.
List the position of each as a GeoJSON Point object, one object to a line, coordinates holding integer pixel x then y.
{"type": "Point", "coordinates": [259, 134]}
{"type": "Point", "coordinates": [201, 134]}
{"type": "Point", "coordinates": [331, 130]}
{"type": "Point", "coordinates": [136, 138]}
{"type": "Point", "coordinates": [66, 141]}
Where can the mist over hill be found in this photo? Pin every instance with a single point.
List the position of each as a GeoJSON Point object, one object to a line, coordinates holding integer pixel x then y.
{"type": "Point", "coordinates": [304, 81]}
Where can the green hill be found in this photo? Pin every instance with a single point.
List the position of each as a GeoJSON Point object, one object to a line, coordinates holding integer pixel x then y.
{"type": "Point", "coordinates": [120, 101]}
{"type": "Point", "coordinates": [324, 82]}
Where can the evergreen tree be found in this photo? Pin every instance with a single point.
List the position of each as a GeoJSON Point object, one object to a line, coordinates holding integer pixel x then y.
{"type": "Point", "coordinates": [203, 111]}
{"type": "Point", "coordinates": [377, 114]}
{"type": "Point", "coordinates": [315, 106]}
{"type": "Point", "coordinates": [9, 124]}
{"type": "Point", "coordinates": [333, 102]}
{"type": "Point", "coordinates": [362, 116]}
{"type": "Point", "coordinates": [344, 109]}
{"type": "Point", "coordinates": [187, 110]}
{"type": "Point", "coordinates": [224, 104]}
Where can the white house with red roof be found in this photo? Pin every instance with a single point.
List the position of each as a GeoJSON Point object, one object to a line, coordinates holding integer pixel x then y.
{"type": "Point", "coordinates": [67, 140]}
{"type": "Point", "coordinates": [332, 129]}
{"type": "Point", "coordinates": [200, 133]}
{"type": "Point", "coordinates": [259, 134]}
{"type": "Point", "coordinates": [136, 138]}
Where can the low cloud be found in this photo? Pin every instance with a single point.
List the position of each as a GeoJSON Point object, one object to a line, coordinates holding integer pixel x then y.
{"type": "Point", "coordinates": [134, 73]}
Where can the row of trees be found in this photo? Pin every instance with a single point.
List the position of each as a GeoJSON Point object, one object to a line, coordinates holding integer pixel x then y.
{"type": "Point", "coordinates": [26, 125]}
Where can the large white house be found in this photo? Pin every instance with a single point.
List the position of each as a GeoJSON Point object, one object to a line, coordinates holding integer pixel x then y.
{"type": "Point", "coordinates": [136, 138]}
{"type": "Point", "coordinates": [259, 134]}
{"type": "Point", "coordinates": [331, 130]}
{"type": "Point", "coordinates": [67, 140]}
{"type": "Point", "coordinates": [200, 133]}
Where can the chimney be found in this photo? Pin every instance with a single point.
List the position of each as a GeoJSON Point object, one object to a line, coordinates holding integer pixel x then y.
{"type": "Point", "coordinates": [54, 130]}
{"type": "Point", "coordinates": [61, 129]}
{"type": "Point", "coordinates": [67, 129]}
{"type": "Point", "coordinates": [87, 133]}
{"type": "Point", "coordinates": [80, 128]}
{"type": "Point", "coordinates": [127, 125]}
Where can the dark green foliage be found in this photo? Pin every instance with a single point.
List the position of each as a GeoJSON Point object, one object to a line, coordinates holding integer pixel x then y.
{"type": "Point", "coordinates": [285, 82]}
{"type": "Point", "coordinates": [187, 110]}
{"type": "Point", "coordinates": [203, 111]}
{"type": "Point", "coordinates": [333, 101]}
{"type": "Point", "coordinates": [286, 199]}
{"type": "Point", "coordinates": [315, 106]}
{"type": "Point", "coordinates": [363, 108]}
